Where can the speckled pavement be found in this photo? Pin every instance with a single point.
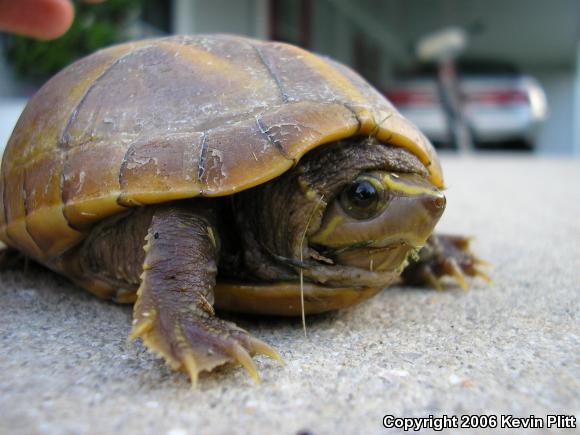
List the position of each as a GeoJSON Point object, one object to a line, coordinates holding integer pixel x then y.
{"type": "Point", "coordinates": [510, 348]}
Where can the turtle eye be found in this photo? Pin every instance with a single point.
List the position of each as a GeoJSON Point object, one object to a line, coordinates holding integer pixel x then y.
{"type": "Point", "coordinates": [363, 198]}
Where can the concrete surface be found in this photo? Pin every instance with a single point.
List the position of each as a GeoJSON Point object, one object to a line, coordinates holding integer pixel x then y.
{"type": "Point", "coordinates": [510, 348]}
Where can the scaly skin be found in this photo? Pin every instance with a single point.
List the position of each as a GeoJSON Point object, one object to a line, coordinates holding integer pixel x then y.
{"type": "Point", "coordinates": [174, 310]}
{"type": "Point", "coordinates": [444, 255]}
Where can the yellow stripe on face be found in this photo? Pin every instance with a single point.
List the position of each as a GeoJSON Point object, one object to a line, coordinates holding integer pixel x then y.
{"type": "Point", "coordinates": [328, 229]}
{"type": "Point", "coordinates": [395, 183]}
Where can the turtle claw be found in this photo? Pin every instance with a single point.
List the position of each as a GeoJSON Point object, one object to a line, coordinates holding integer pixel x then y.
{"type": "Point", "coordinates": [141, 328]}
{"type": "Point", "coordinates": [265, 349]}
{"type": "Point", "coordinates": [190, 366]}
{"type": "Point", "coordinates": [429, 278]}
{"type": "Point", "coordinates": [452, 268]}
{"type": "Point", "coordinates": [446, 256]}
{"type": "Point", "coordinates": [480, 261]}
{"type": "Point", "coordinates": [199, 343]}
{"type": "Point", "coordinates": [242, 356]}
{"type": "Point", "coordinates": [484, 276]}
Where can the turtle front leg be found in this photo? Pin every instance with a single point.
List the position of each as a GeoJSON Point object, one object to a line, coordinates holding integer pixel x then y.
{"type": "Point", "coordinates": [444, 255]}
{"type": "Point", "coordinates": [174, 312]}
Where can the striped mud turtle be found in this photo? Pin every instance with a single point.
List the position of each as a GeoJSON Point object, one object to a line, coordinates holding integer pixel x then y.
{"type": "Point", "coordinates": [187, 173]}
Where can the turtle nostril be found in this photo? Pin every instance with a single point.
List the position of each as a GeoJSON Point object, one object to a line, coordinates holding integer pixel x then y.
{"type": "Point", "coordinates": [440, 202]}
{"type": "Point", "coordinates": [435, 204]}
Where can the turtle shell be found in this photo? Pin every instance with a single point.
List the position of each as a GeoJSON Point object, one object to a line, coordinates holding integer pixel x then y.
{"type": "Point", "coordinates": [173, 118]}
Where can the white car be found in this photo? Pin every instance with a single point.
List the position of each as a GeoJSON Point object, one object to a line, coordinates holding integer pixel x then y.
{"type": "Point", "coordinates": [501, 104]}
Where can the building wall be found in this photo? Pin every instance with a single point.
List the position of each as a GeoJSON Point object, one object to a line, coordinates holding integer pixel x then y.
{"type": "Point", "coordinates": [556, 136]}
{"type": "Point", "coordinates": [242, 17]}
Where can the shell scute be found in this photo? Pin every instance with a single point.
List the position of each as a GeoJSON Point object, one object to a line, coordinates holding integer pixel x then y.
{"type": "Point", "coordinates": [90, 184]}
{"type": "Point", "coordinates": [154, 167]}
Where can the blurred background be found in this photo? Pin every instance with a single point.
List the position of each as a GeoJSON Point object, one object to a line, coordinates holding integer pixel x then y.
{"type": "Point", "coordinates": [509, 70]}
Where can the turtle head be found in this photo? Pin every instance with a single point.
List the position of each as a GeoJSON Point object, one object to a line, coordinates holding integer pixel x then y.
{"type": "Point", "coordinates": [364, 208]}
{"type": "Point", "coordinates": [349, 214]}
{"type": "Point", "coordinates": [378, 219]}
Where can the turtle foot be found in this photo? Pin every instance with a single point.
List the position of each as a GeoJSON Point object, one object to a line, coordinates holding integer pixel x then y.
{"type": "Point", "coordinates": [193, 342]}
{"type": "Point", "coordinates": [445, 255]}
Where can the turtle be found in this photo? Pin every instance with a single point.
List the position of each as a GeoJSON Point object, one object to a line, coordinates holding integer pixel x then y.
{"type": "Point", "coordinates": [186, 174]}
